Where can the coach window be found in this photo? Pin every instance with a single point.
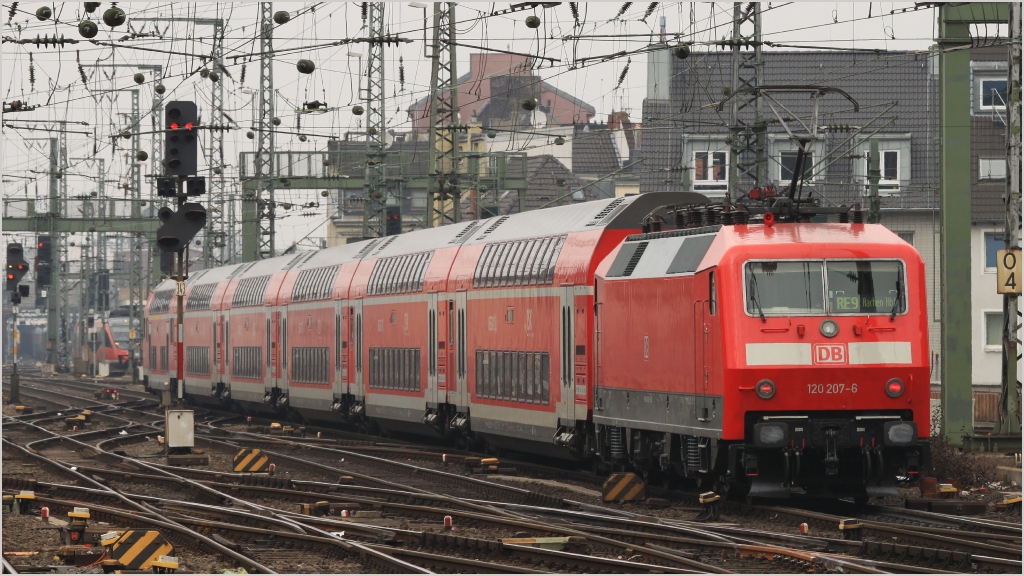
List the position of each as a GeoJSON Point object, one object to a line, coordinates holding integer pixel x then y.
{"type": "Point", "coordinates": [526, 263]}
{"type": "Point", "coordinates": [509, 273]}
{"type": "Point", "coordinates": [542, 263]}
{"type": "Point", "coordinates": [509, 270]}
{"type": "Point", "coordinates": [784, 288]}
{"type": "Point", "coordinates": [712, 296]}
{"type": "Point", "coordinates": [493, 260]}
{"type": "Point", "coordinates": [538, 261]}
{"type": "Point", "coordinates": [506, 258]}
{"type": "Point", "coordinates": [478, 274]}
{"type": "Point", "coordinates": [553, 259]}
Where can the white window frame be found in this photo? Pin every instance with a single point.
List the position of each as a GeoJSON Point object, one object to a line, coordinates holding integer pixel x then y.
{"type": "Point", "coordinates": [778, 144]}
{"type": "Point", "coordinates": [898, 143]}
{"type": "Point", "coordinates": [811, 176]}
{"type": "Point", "coordinates": [981, 72]}
{"type": "Point", "coordinates": [984, 250]}
{"type": "Point", "coordinates": [991, 347]}
{"type": "Point", "coordinates": [701, 184]}
{"type": "Point", "coordinates": [985, 168]}
{"type": "Point", "coordinates": [982, 92]}
{"type": "Point", "coordinates": [902, 235]}
{"type": "Point", "coordinates": [888, 184]}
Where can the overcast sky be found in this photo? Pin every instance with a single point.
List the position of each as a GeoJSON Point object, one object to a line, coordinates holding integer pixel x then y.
{"type": "Point", "coordinates": [60, 94]}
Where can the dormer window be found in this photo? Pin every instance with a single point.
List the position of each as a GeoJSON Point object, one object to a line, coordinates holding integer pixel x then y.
{"type": "Point", "coordinates": [992, 94]}
{"type": "Point", "coordinates": [988, 88]}
{"type": "Point", "coordinates": [710, 170]}
{"type": "Point", "coordinates": [787, 165]}
{"type": "Point", "coordinates": [893, 163]}
{"type": "Point", "coordinates": [889, 166]}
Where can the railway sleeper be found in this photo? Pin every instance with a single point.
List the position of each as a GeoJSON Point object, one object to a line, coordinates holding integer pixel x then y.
{"type": "Point", "coordinates": [903, 553]}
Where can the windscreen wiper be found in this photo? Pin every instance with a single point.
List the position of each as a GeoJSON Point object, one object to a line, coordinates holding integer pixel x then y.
{"type": "Point", "coordinates": [754, 296]}
{"type": "Point", "coordinates": [899, 297]}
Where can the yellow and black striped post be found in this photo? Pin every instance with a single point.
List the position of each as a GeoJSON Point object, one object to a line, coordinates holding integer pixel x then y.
{"type": "Point", "coordinates": [623, 487]}
{"type": "Point", "coordinates": [139, 549]}
{"type": "Point", "coordinates": [251, 460]}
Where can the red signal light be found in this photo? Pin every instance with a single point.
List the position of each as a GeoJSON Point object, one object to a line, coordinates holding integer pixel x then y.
{"type": "Point", "coordinates": [40, 244]}
{"type": "Point", "coordinates": [188, 126]}
{"type": "Point", "coordinates": [10, 276]}
{"type": "Point", "coordinates": [174, 125]}
{"type": "Point", "coordinates": [765, 389]}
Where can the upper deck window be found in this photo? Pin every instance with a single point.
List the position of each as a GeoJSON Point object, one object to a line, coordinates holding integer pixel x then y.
{"type": "Point", "coordinates": [788, 288]}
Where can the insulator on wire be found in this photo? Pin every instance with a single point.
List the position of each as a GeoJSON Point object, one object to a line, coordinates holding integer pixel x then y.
{"type": "Point", "coordinates": [242, 79]}
{"type": "Point", "coordinates": [12, 12]}
{"type": "Point", "coordinates": [363, 8]}
{"type": "Point", "coordinates": [31, 72]}
{"type": "Point", "coordinates": [650, 10]}
{"type": "Point", "coordinates": [401, 73]}
{"type": "Point", "coordinates": [622, 75]}
{"type": "Point", "coordinates": [81, 70]}
{"type": "Point", "coordinates": [625, 6]}
{"type": "Point", "coordinates": [574, 7]}
{"type": "Point", "coordinates": [46, 41]}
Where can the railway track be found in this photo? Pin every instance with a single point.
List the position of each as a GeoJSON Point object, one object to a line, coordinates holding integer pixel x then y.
{"type": "Point", "coordinates": [397, 506]}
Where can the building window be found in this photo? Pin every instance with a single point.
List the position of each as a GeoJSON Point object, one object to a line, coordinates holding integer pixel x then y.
{"type": "Point", "coordinates": [889, 165]}
{"type": "Point", "coordinates": [710, 171]}
{"type": "Point", "coordinates": [418, 200]}
{"type": "Point", "coordinates": [993, 329]}
{"type": "Point", "coordinates": [907, 237]}
{"type": "Point", "coordinates": [991, 168]}
{"type": "Point", "coordinates": [787, 165]}
{"type": "Point", "coordinates": [993, 94]}
{"type": "Point", "coordinates": [993, 241]}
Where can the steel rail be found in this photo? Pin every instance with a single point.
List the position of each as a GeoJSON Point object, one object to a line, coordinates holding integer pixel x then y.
{"type": "Point", "coordinates": [249, 563]}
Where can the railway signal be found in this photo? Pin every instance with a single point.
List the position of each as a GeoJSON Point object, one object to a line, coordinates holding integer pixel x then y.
{"type": "Point", "coordinates": [179, 227]}
{"type": "Point", "coordinates": [16, 267]}
{"type": "Point", "coordinates": [43, 274]}
{"type": "Point", "coordinates": [393, 215]}
{"type": "Point", "coordinates": [44, 249]}
{"type": "Point", "coordinates": [181, 119]}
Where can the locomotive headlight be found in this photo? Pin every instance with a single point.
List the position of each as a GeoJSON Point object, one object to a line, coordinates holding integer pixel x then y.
{"type": "Point", "coordinates": [765, 389]}
{"type": "Point", "coordinates": [900, 433]}
{"type": "Point", "coordinates": [771, 434]}
{"type": "Point", "coordinates": [829, 328]}
{"type": "Point", "coordinates": [894, 388]}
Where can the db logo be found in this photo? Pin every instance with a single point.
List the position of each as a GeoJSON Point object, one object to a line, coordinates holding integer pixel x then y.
{"type": "Point", "coordinates": [830, 353]}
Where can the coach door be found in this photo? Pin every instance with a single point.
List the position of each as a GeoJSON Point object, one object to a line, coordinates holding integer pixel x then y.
{"type": "Point", "coordinates": [340, 348]}
{"type": "Point", "coordinates": [701, 360]}
{"type": "Point", "coordinates": [356, 346]}
{"type": "Point", "coordinates": [566, 410]}
{"type": "Point", "coordinates": [434, 353]}
{"type": "Point", "coordinates": [273, 348]}
{"type": "Point", "coordinates": [458, 392]}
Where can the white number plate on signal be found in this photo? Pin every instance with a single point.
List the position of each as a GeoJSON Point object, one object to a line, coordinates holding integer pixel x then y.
{"type": "Point", "coordinates": [832, 388]}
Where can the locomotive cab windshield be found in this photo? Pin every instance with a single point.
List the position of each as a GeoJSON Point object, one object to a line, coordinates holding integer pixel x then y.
{"type": "Point", "coordinates": [825, 287]}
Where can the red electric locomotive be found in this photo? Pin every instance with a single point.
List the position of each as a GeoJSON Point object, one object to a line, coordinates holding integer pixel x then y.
{"type": "Point", "coordinates": [770, 356]}
{"type": "Point", "coordinates": [777, 355]}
